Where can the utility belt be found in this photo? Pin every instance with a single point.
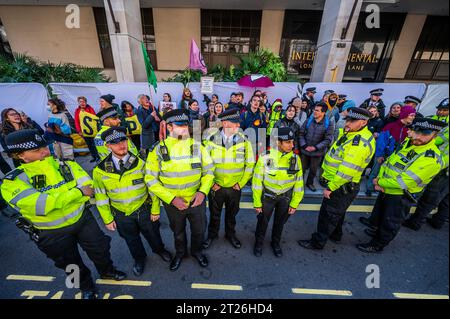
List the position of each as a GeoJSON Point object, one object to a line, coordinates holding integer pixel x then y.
{"type": "Point", "coordinates": [145, 207]}
{"type": "Point", "coordinates": [28, 228]}
{"type": "Point", "coordinates": [275, 196]}
{"type": "Point", "coordinates": [346, 188]}
{"type": "Point", "coordinates": [412, 198]}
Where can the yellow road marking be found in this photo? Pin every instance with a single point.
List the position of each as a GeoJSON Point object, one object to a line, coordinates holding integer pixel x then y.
{"type": "Point", "coordinates": [30, 278]}
{"type": "Point", "coordinates": [321, 292]}
{"type": "Point", "coordinates": [217, 287]}
{"type": "Point", "coordinates": [124, 282]}
{"type": "Point", "coordinates": [419, 296]}
{"type": "Point", "coordinates": [30, 294]}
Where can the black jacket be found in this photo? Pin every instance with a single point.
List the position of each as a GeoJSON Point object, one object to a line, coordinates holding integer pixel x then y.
{"type": "Point", "coordinates": [316, 135]}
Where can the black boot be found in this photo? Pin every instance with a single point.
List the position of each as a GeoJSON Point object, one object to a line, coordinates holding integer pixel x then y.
{"type": "Point", "coordinates": [277, 250]}
{"type": "Point", "coordinates": [114, 275]}
{"type": "Point", "coordinates": [370, 248]}
{"type": "Point", "coordinates": [139, 267]}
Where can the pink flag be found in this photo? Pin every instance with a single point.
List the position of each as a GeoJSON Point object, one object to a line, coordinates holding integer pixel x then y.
{"type": "Point", "coordinates": [196, 61]}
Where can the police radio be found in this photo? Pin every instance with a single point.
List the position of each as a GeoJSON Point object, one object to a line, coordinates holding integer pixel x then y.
{"type": "Point", "coordinates": [39, 181]}
{"type": "Point", "coordinates": [293, 165]}
{"type": "Point", "coordinates": [194, 150]}
{"type": "Point", "coordinates": [164, 152]}
{"type": "Point", "coordinates": [66, 172]}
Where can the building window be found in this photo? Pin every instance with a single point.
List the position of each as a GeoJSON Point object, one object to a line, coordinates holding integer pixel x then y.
{"type": "Point", "coordinates": [148, 32]}
{"type": "Point", "coordinates": [5, 48]}
{"type": "Point", "coordinates": [299, 40]}
{"type": "Point", "coordinates": [430, 59]}
{"type": "Point", "coordinates": [103, 37]}
{"type": "Point", "coordinates": [369, 54]}
{"type": "Point", "coordinates": [226, 34]}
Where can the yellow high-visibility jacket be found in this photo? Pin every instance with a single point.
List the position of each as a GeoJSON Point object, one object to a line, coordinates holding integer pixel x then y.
{"type": "Point", "coordinates": [125, 192]}
{"type": "Point", "coordinates": [411, 168]}
{"type": "Point", "coordinates": [348, 157]}
{"type": "Point", "coordinates": [53, 203]}
{"type": "Point", "coordinates": [189, 170]}
{"type": "Point", "coordinates": [233, 165]}
{"type": "Point", "coordinates": [272, 173]}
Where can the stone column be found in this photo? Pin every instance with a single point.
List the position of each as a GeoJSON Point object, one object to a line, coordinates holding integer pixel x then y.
{"type": "Point", "coordinates": [335, 39]}
{"type": "Point", "coordinates": [125, 37]}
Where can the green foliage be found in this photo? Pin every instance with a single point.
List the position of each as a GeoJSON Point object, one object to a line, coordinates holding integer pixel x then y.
{"type": "Point", "coordinates": [262, 61]}
{"type": "Point", "coordinates": [27, 69]}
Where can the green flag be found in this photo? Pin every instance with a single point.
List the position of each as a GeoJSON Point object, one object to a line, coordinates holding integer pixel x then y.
{"type": "Point", "coordinates": [151, 76]}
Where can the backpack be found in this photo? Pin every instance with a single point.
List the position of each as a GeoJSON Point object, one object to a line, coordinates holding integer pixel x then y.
{"type": "Point", "coordinates": [311, 118]}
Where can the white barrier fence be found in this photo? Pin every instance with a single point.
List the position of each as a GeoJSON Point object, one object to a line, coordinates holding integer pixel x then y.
{"type": "Point", "coordinates": [32, 97]}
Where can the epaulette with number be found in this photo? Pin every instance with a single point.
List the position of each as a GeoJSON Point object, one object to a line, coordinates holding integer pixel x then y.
{"type": "Point", "coordinates": [153, 146]}
{"type": "Point", "coordinates": [356, 140]}
{"type": "Point", "coordinates": [13, 174]}
{"type": "Point", "coordinates": [430, 153]}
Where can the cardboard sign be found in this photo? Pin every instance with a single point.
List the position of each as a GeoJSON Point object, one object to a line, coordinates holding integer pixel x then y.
{"type": "Point", "coordinates": [133, 125]}
{"type": "Point", "coordinates": [207, 85]}
{"type": "Point", "coordinates": [89, 124]}
{"type": "Point", "coordinates": [164, 105]}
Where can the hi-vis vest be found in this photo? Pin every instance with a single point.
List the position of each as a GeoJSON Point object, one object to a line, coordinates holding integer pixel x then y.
{"type": "Point", "coordinates": [411, 168]}
{"type": "Point", "coordinates": [233, 165]}
{"type": "Point", "coordinates": [41, 193]}
{"type": "Point", "coordinates": [274, 117]}
{"type": "Point", "coordinates": [273, 172]}
{"type": "Point", "coordinates": [442, 144]}
{"type": "Point", "coordinates": [124, 191]}
{"type": "Point", "coordinates": [348, 157]}
{"type": "Point", "coordinates": [179, 168]}
{"type": "Point", "coordinates": [103, 151]}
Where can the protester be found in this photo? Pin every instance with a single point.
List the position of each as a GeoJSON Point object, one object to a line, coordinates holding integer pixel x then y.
{"type": "Point", "coordinates": [209, 115]}
{"type": "Point", "coordinates": [150, 122]}
{"type": "Point", "coordinates": [254, 119]}
{"type": "Point", "coordinates": [289, 121]}
{"type": "Point", "coordinates": [217, 110]}
{"type": "Point", "coordinates": [107, 101]}
{"type": "Point", "coordinates": [194, 115]}
{"type": "Point", "coordinates": [375, 124]}
{"type": "Point", "coordinates": [186, 98]}
{"type": "Point", "coordinates": [394, 113]}
{"type": "Point", "coordinates": [58, 127]}
{"type": "Point", "coordinates": [84, 107]}
{"type": "Point", "coordinates": [308, 97]}
{"type": "Point", "coordinates": [129, 111]}
{"type": "Point", "coordinates": [341, 122]}
{"type": "Point", "coordinates": [12, 121]}
{"type": "Point", "coordinates": [398, 130]}
{"type": "Point", "coordinates": [316, 135]}
{"type": "Point", "coordinates": [301, 111]}
{"type": "Point", "coordinates": [266, 102]}
{"type": "Point", "coordinates": [341, 100]}
{"type": "Point", "coordinates": [167, 97]}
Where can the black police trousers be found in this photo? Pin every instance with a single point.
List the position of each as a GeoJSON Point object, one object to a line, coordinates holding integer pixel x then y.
{"type": "Point", "coordinates": [390, 211]}
{"type": "Point", "coordinates": [131, 227]}
{"type": "Point", "coordinates": [279, 204]}
{"type": "Point", "coordinates": [435, 195]}
{"type": "Point", "coordinates": [332, 215]}
{"type": "Point", "coordinates": [231, 199]}
{"type": "Point", "coordinates": [61, 246]}
{"type": "Point", "coordinates": [197, 220]}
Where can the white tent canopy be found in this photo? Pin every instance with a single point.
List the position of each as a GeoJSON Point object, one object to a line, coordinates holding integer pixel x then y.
{"type": "Point", "coordinates": [435, 94]}
{"type": "Point", "coordinates": [28, 97]}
